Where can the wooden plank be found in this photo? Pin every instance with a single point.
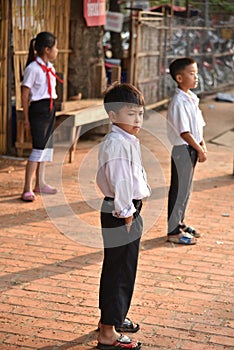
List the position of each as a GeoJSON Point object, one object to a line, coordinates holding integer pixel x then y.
{"type": "Point", "coordinates": [148, 54]}
{"type": "Point", "coordinates": [151, 14]}
{"type": "Point", "coordinates": [157, 104]}
{"type": "Point", "coordinates": [74, 119]}
{"type": "Point", "coordinates": [87, 116]}
{"type": "Point", "coordinates": [80, 104]}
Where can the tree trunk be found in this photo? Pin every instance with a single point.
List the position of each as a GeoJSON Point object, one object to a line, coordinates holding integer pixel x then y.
{"type": "Point", "coordinates": [86, 57]}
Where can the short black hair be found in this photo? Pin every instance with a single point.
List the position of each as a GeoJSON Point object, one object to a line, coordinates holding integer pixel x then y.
{"type": "Point", "coordinates": [179, 64]}
{"type": "Point", "coordinates": [119, 95]}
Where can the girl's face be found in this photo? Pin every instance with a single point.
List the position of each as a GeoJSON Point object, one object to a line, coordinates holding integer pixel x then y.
{"type": "Point", "coordinates": [129, 118]}
{"type": "Point", "coordinates": [50, 54]}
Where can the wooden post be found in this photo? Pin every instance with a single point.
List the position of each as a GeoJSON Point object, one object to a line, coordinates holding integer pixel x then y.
{"type": "Point", "coordinates": [3, 74]}
{"type": "Point", "coordinates": [131, 46]}
{"type": "Point", "coordinates": [138, 40]}
{"type": "Point", "coordinates": [100, 80]}
{"type": "Point", "coordinates": [74, 137]}
{"type": "Point", "coordinates": [115, 74]}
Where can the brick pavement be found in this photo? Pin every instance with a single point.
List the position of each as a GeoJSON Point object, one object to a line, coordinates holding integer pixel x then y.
{"type": "Point", "coordinates": [184, 295]}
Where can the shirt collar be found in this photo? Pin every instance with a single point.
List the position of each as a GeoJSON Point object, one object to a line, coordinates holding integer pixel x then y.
{"type": "Point", "coordinates": [49, 64]}
{"type": "Point", "coordinates": [125, 134]}
{"type": "Point", "coordinates": [186, 96]}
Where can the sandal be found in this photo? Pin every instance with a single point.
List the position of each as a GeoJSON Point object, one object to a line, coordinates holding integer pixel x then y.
{"type": "Point", "coordinates": [128, 326]}
{"type": "Point", "coordinates": [191, 230]}
{"type": "Point", "coordinates": [182, 238]}
{"type": "Point", "coordinates": [123, 342]}
{"type": "Point", "coordinates": [28, 196]}
{"type": "Point", "coordinates": [46, 189]}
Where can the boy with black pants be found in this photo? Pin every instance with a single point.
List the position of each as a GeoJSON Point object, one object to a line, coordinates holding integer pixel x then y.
{"type": "Point", "coordinates": [185, 132]}
{"type": "Point", "coordinates": [122, 180]}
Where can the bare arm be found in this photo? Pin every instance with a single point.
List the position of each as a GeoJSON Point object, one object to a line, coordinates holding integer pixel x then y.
{"type": "Point", "coordinates": [203, 145]}
{"type": "Point", "coordinates": [200, 148]}
{"type": "Point", "coordinates": [128, 222]}
{"type": "Point", "coordinates": [25, 103]}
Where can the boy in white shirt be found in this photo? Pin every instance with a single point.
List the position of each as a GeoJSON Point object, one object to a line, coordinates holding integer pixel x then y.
{"type": "Point", "coordinates": [185, 132]}
{"type": "Point", "coordinates": [122, 180]}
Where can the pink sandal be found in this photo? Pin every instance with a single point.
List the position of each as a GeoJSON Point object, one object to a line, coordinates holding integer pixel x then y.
{"type": "Point", "coordinates": [46, 189]}
{"type": "Point", "coordinates": [28, 196]}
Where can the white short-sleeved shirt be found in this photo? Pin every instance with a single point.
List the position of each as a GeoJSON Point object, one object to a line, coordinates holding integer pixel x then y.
{"type": "Point", "coordinates": [184, 115]}
{"type": "Point", "coordinates": [35, 79]}
{"type": "Point", "coordinates": [120, 172]}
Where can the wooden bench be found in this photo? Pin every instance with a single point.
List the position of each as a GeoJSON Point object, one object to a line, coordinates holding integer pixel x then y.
{"type": "Point", "coordinates": [86, 112]}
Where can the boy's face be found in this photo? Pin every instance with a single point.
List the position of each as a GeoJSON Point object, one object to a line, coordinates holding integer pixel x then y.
{"type": "Point", "coordinates": [129, 118]}
{"type": "Point", "coordinates": [188, 78]}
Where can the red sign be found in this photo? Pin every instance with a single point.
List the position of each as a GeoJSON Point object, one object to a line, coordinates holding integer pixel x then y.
{"type": "Point", "coordinates": [95, 12]}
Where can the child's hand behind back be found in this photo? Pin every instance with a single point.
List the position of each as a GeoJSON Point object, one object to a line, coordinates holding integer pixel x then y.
{"type": "Point", "coordinates": [202, 156]}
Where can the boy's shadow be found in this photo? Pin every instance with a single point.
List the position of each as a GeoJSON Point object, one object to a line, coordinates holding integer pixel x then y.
{"type": "Point", "coordinates": [153, 243]}
{"type": "Point", "coordinates": [82, 340]}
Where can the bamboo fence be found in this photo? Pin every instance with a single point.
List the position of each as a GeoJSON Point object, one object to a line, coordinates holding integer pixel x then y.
{"type": "Point", "coordinates": [4, 22]}
{"type": "Point", "coordinates": [29, 17]}
{"type": "Point", "coordinates": [149, 32]}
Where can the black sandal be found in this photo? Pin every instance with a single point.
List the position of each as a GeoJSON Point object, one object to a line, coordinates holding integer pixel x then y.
{"type": "Point", "coordinates": [190, 230]}
{"type": "Point", "coordinates": [127, 327]}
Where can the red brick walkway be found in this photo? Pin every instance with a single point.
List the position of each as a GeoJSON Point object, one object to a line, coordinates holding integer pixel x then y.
{"type": "Point", "coordinates": [184, 295]}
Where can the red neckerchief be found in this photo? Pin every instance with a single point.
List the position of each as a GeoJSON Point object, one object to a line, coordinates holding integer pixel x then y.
{"type": "Point", "coordinates": [48, 71]}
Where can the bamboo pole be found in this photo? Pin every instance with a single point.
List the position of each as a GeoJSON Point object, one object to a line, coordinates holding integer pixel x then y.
{"type": "Point", "coordinates": [51, 16]}
{"type": "Point", "coordinates": [138, 40]}
{"type": "Point", "coordinates": [3, 75]}
{"type": "Point", "coordinates": [28, 19]}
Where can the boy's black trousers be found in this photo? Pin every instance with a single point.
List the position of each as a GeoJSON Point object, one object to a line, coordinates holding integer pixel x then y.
{"type": "Point", "coordinates": [183, 161]}
{"type": "Point", "coordinates": [121, 250]}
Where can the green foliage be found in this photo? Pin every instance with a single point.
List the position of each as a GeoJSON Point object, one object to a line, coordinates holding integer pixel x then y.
{"type": "Point", "coordinates": [224, 6]}
{"type": "Point", "coordinates": [157, 3]}
{"type": "Point", "coordinates": [218, 6]}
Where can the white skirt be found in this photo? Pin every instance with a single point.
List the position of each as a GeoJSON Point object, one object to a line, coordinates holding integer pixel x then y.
{"type": "Point", "coordinates": [41, 155]}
